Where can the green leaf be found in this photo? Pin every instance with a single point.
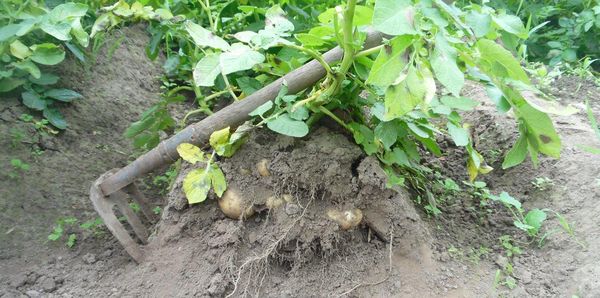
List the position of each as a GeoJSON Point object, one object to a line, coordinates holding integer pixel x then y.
{"type": "Point", "coordinates": [496, 60]}
{"type": "Point", "coordinates": [535, 218]}
{"type": "Point", "coordinates": [364, 136]}
{"type": "Point", "coordinates": [26, 25]}
{"type": "Point", "coordinates": [288, 126]}
{"type": "Point", "coordinates": [59, 31]}
{"type": "Point", "coordinates": [79, 33]}
{"type": "Point", "coordinates": [205, 38]}
{"type": "Point", "coordinates": [249, 85]}
{"type": "Point", "coordinates": [29, 67]}
{"type": "Point", "coordinates": [71, 240]}
{"type": "Point", "coordinates": [7, 84]}
{"type": "Point", "coordinates": [396, 156]}
{"type": "Point", "coordinates": [479, 22]}
{"type": "Point", "coordinates": [196, 186]}
{"type": "Point", "coordinates": [67, 11]}
{"type": "Point", "coordinates": [459, 135]}
{"type": "Point", "coordinates": [443, 62]}
{"type": "Point", "coordinates": [218, 181]}
{"type": "Point", "coordinates": [55, 118]}
{"type": "Point", "coordinates": [47, 54]}
{"type": "Point", "coordinates": [65, 95]}
{"type": "Point", "coordinates": [262, 109]}
{"type": "Point", "coordinates": [459, 103]}
{"type": "Point", "coordinates": [8, 31]}
{"type": "Point", "coordinates": [517, 154]}
{"type": "Point", "coordinates": [207, 70]}
{"type": "Point", "coordinates": [276, 22]}
{"type": "Point", "coordinates": [506, 199]}
{"type": "Point", "coordinates": [434, 15]}
{"type": "Point", "coordinates": [511, 24]}
{"type": "Point", "coordinates": [239, 57]}
{"type": "Point", "coordinates": [190, 153]}
{"type": "Point", "coordinates": [522, 226]}
{"type": "Point", "coordinates": [405, 96]}
{"type": "Point", "coordinates": [387, 133]}
{"type": "Point", "coordinates": [33, 101]}
{"type": "Point", "coordinates": [547, 106]}
{"type": "Point", "coordinates": [219, 140]}
{"type": "Point", "coordinates": [19, 50]}
{"type": "Point", "coordinates": [540, 131]}
{"type": "Point", "coordinates": [299, 113]}
{"type": "Point", "coordinates": [592, 119]}
{"type": "Point", "coordinates": [394, 17]}
{"type": "Point", "coordinates": [363, 16]}
{"type": "Point", "coordinates": [45, 79]}
{"type": "Point", "coordinates": [390, 62]}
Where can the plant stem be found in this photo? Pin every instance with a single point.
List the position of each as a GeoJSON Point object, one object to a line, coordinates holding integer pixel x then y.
{"type": "Point", "coordinates": [369, 51]}
{"type": "Point", "coordinates": [348, 45]}
{"type": "Point", "coordinates": [312, 53]}
{"type": "Point", "coordinates": [206, 8]}
{"type": "Point", "coordinates": [229, 87]}
{"type": "Point", "coordinates": [327, 112]}
{"type": "Point", "coordinates": [178, 89]}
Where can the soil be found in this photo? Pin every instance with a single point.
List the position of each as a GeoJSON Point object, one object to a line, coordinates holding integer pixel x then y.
{"type": "Point", "coordinates": [296, 249]}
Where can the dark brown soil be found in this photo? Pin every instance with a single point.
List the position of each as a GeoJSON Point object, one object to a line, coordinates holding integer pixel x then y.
{"type": "Point", "coordinates": [296, 250]}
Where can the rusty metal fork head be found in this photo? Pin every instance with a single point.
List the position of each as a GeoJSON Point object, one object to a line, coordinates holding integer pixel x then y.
{"type": "Point", "coordinates": [104, 206]}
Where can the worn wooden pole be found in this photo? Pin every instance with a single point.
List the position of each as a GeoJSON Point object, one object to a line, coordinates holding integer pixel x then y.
{"type": "Point", "coordinates": [232, 115]}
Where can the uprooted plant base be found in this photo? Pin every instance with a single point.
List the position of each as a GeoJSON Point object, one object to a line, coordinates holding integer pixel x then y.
{"type": "Point", "coordinates": [317, 182]}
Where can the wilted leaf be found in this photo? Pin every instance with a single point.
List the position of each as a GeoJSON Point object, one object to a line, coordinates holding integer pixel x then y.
{"type": "Point", "coordinates": [218, 181]}
{"type": "Point", "coordinates": [196, 186]}
{"type": "Point", "coordinates": [190, 153]}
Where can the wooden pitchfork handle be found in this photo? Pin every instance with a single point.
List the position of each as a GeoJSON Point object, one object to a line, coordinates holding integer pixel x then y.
{"type": "Point", "coordinates": [109, 187]}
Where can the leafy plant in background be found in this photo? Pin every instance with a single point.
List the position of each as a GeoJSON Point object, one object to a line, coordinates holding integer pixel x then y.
{"type": "Point", "coordinates": [31, 38]}
{"type": "Point", "coordinates": [563, 30]}
{"type": "Point", "coordinates": [18, 168]}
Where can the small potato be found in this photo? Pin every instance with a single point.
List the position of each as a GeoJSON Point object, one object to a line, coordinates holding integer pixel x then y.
{"type": "Point", "coordinates": [347, 219]}
{"type": "Point", "coordinates": [288, 198]}
{"type": "Point", "coordinates": [274, 202]}
{"type": "Point", "coordinates": [234, 206]}
{"type": "Point", "coordinates": [263, 168]}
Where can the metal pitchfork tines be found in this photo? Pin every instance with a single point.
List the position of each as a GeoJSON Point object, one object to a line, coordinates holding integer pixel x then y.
{"type": "Point", "coordinates": [104, 206]}
{"type": "Point", "coordinates": [114, 187]}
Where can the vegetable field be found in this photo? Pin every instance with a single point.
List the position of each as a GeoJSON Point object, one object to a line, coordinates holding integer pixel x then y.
{"type": "Point", "coordinates": [299, 148]}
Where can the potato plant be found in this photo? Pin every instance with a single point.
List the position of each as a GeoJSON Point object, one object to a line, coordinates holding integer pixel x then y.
{"type": "Point", "coordinates": [393, 98]}
{"type": "Point", "coordinates": [32, 37]}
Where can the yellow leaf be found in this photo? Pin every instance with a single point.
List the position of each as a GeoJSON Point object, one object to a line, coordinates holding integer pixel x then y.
{"type": "Point", "coordinates": [196, 186]}
{"type": "Point", "coordinates": [190, 153]}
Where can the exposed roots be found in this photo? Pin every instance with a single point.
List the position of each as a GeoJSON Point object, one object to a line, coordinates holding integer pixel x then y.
{"type": "Point", "coordinates": [262, 259]}
{"type": "Point", "coordinates": [389, 273]}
